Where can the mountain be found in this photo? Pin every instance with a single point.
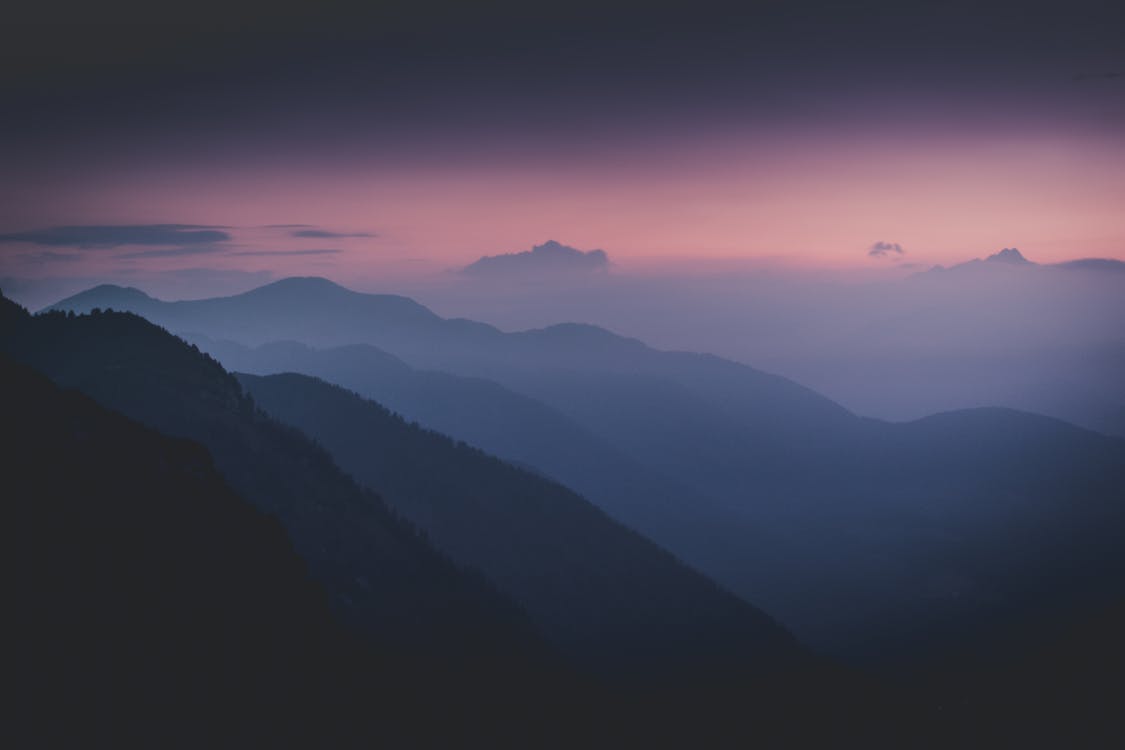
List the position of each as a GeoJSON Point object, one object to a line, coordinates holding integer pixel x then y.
{"type": "Point", "coordinates": [1010, 255]}
{"type": "Point", "coordinates": [1012, 258]}
{"type": "Point", "coordinates": [262, 314]}
{"type": "Point", "coordinates": [382, 578]}
{"type": "Point", "coordinates": [144, 593]}
{"type": "Point", "coordinates": [446, 644]}
{"type": "Point", "coordinates": [604, 595]}
{"type": "Point", "coordinates": [520, 430]}
{"type": "Point", "coordinates": [550, 258]}
{"type": "Point", "coordinates": [148, 604]}
{"type": "Point", "coordinates": [872, 540]}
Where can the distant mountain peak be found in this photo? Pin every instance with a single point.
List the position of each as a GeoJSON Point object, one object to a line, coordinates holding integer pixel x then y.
{"type": "Point", "coordinates": [304, 283]}
{"type": "Point", "coordinates": [550, 257]}
{"type": "Point", "coordinates": [1008, 255]}
{"type": "Point", "coordinates": [110, 296]}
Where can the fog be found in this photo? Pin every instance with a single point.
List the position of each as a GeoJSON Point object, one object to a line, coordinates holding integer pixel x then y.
{"type": "Point", "coordinates": [869, 540]}
{"type": "Point", "coordinates": [894, 345]}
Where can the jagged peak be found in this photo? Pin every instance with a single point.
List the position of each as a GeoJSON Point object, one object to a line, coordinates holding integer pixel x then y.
{"type": "Point", "coordinates": [1008, 255]}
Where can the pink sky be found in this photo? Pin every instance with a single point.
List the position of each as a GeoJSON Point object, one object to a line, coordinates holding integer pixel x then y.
{"type": "Point", "coordinates": [804, 200]}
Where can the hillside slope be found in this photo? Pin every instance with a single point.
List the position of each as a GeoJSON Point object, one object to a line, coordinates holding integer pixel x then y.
{"type": "Point", "coordinates": [604, 594]}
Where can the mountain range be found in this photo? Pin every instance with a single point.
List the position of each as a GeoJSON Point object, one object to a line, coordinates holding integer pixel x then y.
{"type": "Point", "coordinates": [1012, 258]}
{"type": "Point", "coordinates": [560, 607]}
{"type": "Point", "coordinates": [973, 557]}
{"type": "Point", "coordinates": [866, 538]}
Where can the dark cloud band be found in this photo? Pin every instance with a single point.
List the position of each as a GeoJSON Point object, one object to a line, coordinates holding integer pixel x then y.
{"type": "Point", "coordinates": [111, 236]}
{"type": "Point", "coordinates": [323, 234]}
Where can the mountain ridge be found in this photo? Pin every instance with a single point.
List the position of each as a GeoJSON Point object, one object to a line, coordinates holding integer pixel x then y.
{"type": "Point", "coordinates": [788, 490]}
{"type": "Point", "coordinates": [618, 584]}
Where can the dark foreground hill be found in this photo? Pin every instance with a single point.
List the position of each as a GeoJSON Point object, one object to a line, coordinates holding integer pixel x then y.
{"type": "Point", "coordinates": [381, 576]}
{"type": "Point", "coordinates": [147, 604]}
{"type": "Point", "coordinates": [132, 561]}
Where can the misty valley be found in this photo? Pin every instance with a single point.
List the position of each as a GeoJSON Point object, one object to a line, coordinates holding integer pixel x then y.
{"type": "Point", "coordinates": [307, 515]}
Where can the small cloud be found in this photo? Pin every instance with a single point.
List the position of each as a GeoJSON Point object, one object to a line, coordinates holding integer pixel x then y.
{"type": "Point", "coordinates": [324, 251]}
{"type": "Point", "coordinates": [324, 234]}
{"type": "Point", "coordinates": [550, 257]}
{"type": "Point", "coordinates": [886, 249]}
{"type": "Point", "coordinates": [50, 256]}
{"type": "Point", "coordinates": [99, 236]}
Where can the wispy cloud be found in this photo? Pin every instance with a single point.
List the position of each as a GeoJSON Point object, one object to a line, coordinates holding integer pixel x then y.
{"type": "Point", "coordinates": [324, 234]}
{"type": "Point", "coordinates": [172, 252]}
{"type": "Point", "coordinates": [101, 236]}
{"type": "Point", "coordinates": [886, 249]}
{"type": "Point", "coordinates": [321, 251]}
{"type": "Point", "coordinates": [51, 256]}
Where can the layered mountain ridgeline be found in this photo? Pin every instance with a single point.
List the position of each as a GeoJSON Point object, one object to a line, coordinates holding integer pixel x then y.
{"type": "Point", "coordinates": [147, 604]}
{"type": "Point", "coordinates": [952, 713]}
{"type": "Point", "coordinates": [390, 587]}
{"type": "Point", "coordinates": [382, 578]}
{"type": "Point", "coordinates": [876, 541]}
{"type": "Point", "coordinates": [518, 429]}
{"type": "Point", "coordinates": [267, 313]}
{"type": "Point", "coordinates": [606, 596]}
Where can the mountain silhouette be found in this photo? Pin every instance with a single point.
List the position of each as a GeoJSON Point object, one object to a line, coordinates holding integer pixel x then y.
{"type": "Point", "coordinates": [519, 429]}
{"type": "Point", "coordinates": [1009, 255]}
{"type": "Point", "coordinates": [145, 592]}
{"type": "Point", "coordinates": [872, 540]}
{"type": "Point", "coordinates": [382, 578]}
{"type": "Point", "coordinates": [604, 595]}
{"type": "Point", "coordinates": [1012, 258]}
{"type": "Point", "coordinates": [983, 542]}
{"type": "Point", "coordinates": [444, 641]}
{"type": "Point", "coordinates": [148, 603]}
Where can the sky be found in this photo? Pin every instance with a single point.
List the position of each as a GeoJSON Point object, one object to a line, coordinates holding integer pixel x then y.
{"type": "Point", "coordinates": [209, 147]}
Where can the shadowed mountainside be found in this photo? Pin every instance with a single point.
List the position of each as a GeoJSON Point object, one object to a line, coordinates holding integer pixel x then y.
{"type": "Point", "coordinates": [148, 604]}
{"type": "Point", "coordinates": [1052, 679]}
{"type": "Point", "coordinates": [474, 656]}
{"type": "Point", "coordinates": [381, 577]}
{"type": "Point", "coordinates": [876, 541]}
{"type": "Point", "coordinates": [605, 595]}
{"type": "Point", "coordinates": [518, 429]}
{"type": "Point", "coordinates": [136, 563]}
